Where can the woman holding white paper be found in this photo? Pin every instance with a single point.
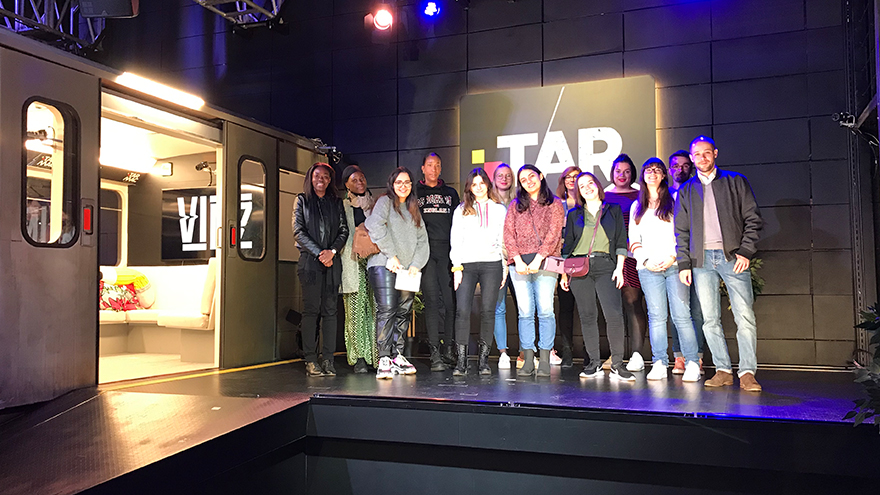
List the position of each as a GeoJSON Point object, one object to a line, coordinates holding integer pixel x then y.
{"type": "Point", "coordinates": [396, 227]}
{"type": "Point", "coordinates": [475, 251]}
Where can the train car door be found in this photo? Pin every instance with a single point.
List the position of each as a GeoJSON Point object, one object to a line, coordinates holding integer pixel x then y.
{"type": "Point", "coordinates": [249, 288]}
{"type": "Point", "coordinates": [49, 116]}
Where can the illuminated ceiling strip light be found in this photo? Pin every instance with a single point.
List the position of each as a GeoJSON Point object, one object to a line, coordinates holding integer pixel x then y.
{"type": "Point", "coordinates": [158, 90]}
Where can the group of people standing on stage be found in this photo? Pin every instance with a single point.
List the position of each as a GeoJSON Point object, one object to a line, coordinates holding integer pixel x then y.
{"type": "Point", "coordinates": [662, 247]}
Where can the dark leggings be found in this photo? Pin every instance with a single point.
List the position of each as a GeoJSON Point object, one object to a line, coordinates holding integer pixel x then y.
{"type": "Point", "coordinates": [437, 295]}
{"type": "Point", "coordinates": [585, 289]}
{"type": "Point", "coordinates": [636, 317]}
{"type": "Point", "coordinates": [565, 318]}
{"type": "Point", "coordinates": [488, 275]}
{"type": "Point", "coordinates": [392, 312]}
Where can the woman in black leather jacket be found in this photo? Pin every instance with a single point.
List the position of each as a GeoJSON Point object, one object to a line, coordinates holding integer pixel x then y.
{"type": "Point", "coordinates": [320, 230]}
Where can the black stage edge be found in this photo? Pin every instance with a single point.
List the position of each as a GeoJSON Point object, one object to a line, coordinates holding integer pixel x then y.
{"type": "Point", "coordinates": [274, 431]}
{"type": "Point", "coordinates": [350, 444]}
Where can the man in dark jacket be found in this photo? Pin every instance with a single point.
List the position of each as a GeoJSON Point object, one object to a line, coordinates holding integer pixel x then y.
{"type": "Point", "coordinates": [437, 202]}
{"type": "Point", "coordinates": [716, 230]}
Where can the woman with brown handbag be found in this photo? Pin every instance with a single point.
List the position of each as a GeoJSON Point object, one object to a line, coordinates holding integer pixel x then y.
{"type": "Point", "coordinates": [357, 293]}
{"type": "Point", "coordinates": [606, 249]}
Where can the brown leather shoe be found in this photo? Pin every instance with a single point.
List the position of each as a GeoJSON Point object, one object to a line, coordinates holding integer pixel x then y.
{"type": "Point", "coordinates": [748, 383]}
{"type": "Point", "coordinates": [721, 379]}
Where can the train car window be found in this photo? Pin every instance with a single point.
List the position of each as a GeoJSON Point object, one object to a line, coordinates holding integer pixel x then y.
{"type": "Point", "coordinates": [49, 210]}
{"type": "Point", "coordinates": [252, 215]}
{"type": "Point", "coordinates": [110, 228]}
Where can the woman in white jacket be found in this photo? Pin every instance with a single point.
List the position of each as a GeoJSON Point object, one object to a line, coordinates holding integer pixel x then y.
{"type": "Point", "coordinates": [652, 242]}
{"type": "Point", "coordinates": [475, 251]}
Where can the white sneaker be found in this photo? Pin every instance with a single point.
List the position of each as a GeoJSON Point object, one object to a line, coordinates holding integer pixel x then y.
{"type": "Point", "coordinates": [636, 363]}
{"type": "Point", "coordinates": [691, 372]}
{"type": "Point", "coordinates": [658, 371]}
{"type": "Point", "coordinates": [504, 361]}
{"type": "Point", "coordinates": [554, 359]}
{"type": "Point", "coordinates": [401, 366]}
{"type": "Point", "coordinates": [384, 372]}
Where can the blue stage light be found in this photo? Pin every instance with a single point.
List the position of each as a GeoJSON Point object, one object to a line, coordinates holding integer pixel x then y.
{"type": "Point", "coordinates": [432, 9]}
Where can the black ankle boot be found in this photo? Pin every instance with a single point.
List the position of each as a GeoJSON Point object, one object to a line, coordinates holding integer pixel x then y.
{"type": "Point", "coordinates": [528, 368]}
{"type": "Point", "coordinates": [461, 364]}
{"type": "Point", "coordinates": [484, 359]}
{"type": "Point", "coordinates": [436, 360]}
{"type": "Point", "coordinates": [448, 353]}
{"type": "Point", "coordinates": [567, 356]}
{"type": "Point", "coordinates": [544, 362]}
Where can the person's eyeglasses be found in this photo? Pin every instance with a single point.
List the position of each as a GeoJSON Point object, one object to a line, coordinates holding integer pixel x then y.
{"type": "Point", "coordinates": [571, 177]}
{"type": "Point", "coordinates": [403, 183]}
{"type": "Point", "coordinates": [653, 171]}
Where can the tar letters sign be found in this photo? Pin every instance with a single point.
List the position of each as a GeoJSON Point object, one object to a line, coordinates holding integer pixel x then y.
{"type": "Point", "coordinates": [553, 127]}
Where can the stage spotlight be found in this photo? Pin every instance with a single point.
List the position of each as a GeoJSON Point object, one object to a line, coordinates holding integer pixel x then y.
{"type": "Point", "coordinates": [383, 19]}
{"type": "Point", "coordinates": [432, 9]}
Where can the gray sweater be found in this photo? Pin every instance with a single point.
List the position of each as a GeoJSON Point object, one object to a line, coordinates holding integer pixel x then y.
{"type": "Point", "coordinates": [396, 235]}
{"type": "Point", "coordinates": [737, 212]}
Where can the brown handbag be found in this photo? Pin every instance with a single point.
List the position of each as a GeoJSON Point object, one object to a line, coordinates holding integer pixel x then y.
{"type": "Point", "coordinates": [578, 266]}
{"type": "Point", "coordinates": [362, 245]}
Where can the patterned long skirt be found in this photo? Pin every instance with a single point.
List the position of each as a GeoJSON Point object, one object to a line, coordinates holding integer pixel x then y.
{"type": "Point", "coordinates": [360, 326]}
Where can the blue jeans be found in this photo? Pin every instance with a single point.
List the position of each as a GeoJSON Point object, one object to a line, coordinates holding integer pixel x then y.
{"type": "Point", "coordinates": [534, 293]}
{"type": "Point", "coordinates": [660, 287]}
{"type": "Point", "coordinates": [501, 317]}
{"type": "Point", "coordinates": [739, 286]}
{"type": "Point", "coordinates": [697, 316]}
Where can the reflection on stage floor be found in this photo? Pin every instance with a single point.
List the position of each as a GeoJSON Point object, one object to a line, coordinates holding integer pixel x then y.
{"type": "Point", "coordinates": [788, 395]}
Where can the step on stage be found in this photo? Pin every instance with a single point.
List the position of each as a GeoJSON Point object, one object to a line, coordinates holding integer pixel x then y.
{"type": "Point", "coordinates": [273, 430]}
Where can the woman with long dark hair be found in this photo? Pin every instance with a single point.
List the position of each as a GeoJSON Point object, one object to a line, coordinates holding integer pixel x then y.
{"type": "Point", "coordinates": [623, 194]}
{"type": "Point", "coordinates": [320, 230]}
{"type": "Point", "coordinates": [531, 233]}
{"type": "Point", "coordinates": [475, 250]}
{"type": "Point", "coordinates": [652, 242]}
{"type": "Point", "coordinates": [606, 251]}
{"type": "Point", "coordinates": [396, 226]}
{"type": "Point", "coordinates": [357, 294]}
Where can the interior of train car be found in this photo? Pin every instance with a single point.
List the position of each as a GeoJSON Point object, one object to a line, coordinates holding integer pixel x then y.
{"type": "Point", "coordinates": [158, 246]}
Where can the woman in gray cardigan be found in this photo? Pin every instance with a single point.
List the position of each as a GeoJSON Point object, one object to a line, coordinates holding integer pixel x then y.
{"type": "Point", "coordinates": [357, 294]}
{"type": "Point", "coordinates": [396, 226]}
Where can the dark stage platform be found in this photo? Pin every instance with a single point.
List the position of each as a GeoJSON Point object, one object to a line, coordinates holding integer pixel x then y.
{"type": "Point", "coordinates": [274, 428]}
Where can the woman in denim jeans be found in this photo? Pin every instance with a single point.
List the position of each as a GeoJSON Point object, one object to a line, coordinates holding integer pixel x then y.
{"type": "Point", "coordinates": [652, 242]}
{"type": "Point", "coordinates": [606, 254]}
{"type": "Point", "coordinates": [531, 233]}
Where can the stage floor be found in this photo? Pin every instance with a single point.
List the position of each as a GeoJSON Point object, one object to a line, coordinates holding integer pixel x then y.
{"type": "Point", "coordinates": [89, 436]}
{"type": "Point", "coordinates": [787, 395]}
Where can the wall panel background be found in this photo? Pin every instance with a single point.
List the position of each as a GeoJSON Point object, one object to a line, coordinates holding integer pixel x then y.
{"type": "Point", "coordinates": [761, 77]}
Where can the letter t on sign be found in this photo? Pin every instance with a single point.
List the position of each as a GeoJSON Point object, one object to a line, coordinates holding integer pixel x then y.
{"type": "Point", "coordinates": [517, 144]}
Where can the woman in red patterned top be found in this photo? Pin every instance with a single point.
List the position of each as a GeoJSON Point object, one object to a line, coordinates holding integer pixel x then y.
{"type": "Point", "coordinates": [623, 176]}
{"type": "Point", "coordinates": [532, 231]}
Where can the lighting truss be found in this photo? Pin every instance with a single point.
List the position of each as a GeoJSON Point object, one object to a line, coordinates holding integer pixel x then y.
{"type": "Point", "coordinates": [57, 22]}
{"type": "Point", "coordinates": [245, 13]}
